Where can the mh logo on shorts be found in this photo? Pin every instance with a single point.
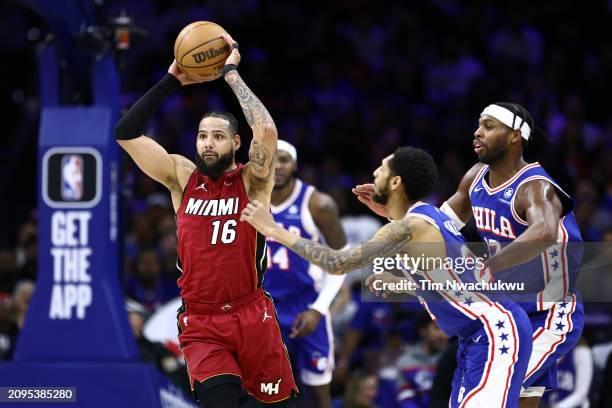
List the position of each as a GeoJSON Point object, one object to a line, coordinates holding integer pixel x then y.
{"type": "Point", "coordinates": [270, 388]}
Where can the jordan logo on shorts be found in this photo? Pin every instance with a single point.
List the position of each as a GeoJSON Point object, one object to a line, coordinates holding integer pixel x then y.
{"type": "Point", "coordinates": [266, 315]}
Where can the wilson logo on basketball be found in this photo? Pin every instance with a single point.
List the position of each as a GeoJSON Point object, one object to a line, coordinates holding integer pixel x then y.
{"type": "Point", "coordinates": [210, 54]}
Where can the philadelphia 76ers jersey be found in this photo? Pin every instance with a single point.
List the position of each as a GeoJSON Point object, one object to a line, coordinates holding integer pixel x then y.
{"type": "Point", "coordinates": [457, 311]}
{"type": "Point", "coordinates": [547, 278]}
{"type": "Point", "coordinates": [494, 334]}
{"type": "Point", "coordinates": [289, 276]}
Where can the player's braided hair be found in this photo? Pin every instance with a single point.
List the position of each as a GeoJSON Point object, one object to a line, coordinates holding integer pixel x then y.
{"type": "Point", "coordinates": [233, 122]}
{"type": "Point", "coordinates": [417, 169]}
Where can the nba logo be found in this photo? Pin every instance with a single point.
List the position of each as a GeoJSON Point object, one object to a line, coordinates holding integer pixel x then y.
{"type": "Point", "coordinates": [72, 177]}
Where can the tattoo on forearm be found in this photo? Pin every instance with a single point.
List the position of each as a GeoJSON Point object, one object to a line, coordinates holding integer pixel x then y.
{"type": "Point", "coordinates": [258, 154]}
{"type": "Point", "coordinates": [390, 240]}
{"type": "Point", "coordinates": [255, 112]}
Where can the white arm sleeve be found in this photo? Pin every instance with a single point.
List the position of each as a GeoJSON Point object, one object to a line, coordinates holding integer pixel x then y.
{"type": "Point", "coordinates": [331, 287]}
{"type": "Point", "coordinates": [448, 210]}
{"type": "Point", "coordinates": [583, 362]}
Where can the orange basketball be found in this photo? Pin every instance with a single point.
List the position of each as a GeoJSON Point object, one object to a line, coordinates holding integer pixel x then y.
{"type": "Point", "coordinates": [201, 51]}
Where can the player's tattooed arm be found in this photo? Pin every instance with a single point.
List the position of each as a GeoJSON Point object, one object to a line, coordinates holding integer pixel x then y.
{"type": "Point", "coordinates": [254, 111]}
{"type": "Point", "coordinates": [390, 240]}
{"type": "Point", "coordinates": [265, 135]}
{"type": "Point", "coordinates": [262, 153]}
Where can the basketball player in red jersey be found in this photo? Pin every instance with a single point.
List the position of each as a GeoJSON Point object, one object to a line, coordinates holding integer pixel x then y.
{"type": "Point", "coordinates": [227, 324]}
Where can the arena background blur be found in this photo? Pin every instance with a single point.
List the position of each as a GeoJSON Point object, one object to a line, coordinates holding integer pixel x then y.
{"type": "Point", "coordinates": [346, 82]}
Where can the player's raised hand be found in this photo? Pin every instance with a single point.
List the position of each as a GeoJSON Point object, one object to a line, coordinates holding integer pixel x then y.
{"type": "Point", "coordinates": [183, 78]}
{"type": "Point", "coordinates": [259, 216]}
{"type": "Point", "coordinates": [365, 193]}
{"type": "Point", "coordinates": [234, 57]}
{"type": "Point", "coordinates": [305, 323]}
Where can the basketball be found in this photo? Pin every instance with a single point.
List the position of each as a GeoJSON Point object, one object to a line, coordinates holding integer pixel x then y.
{"type": "Point", "coordinates": [201, 51]}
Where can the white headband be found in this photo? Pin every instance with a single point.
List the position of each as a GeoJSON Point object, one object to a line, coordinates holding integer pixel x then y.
{"type": "Point", "coordinates": [288, 147]}
{"type": "Point", "coordinates": [508, 118]}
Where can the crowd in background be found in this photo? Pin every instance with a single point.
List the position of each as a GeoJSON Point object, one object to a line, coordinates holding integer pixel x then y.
{"type": "Point", "coordinates": [347, 82]}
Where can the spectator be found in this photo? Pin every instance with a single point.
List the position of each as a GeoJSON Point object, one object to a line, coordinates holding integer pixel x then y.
{"type": "Point", "coordinates": [364, 339]}
{"type": "Point", "coordinates": [9, 273]}
{"type": "Point", "coordinates": [517, 41]}
{"type": "Point", "coordinates": [607, 235]}
{"type": "Point", "coordinates": [605, 396]}
{"type": "Point", "coordinates": [26, 251]}
{"type": "Point", "coordinates": [447, 364]}
{"type": "Point", "coordinates": [387, 371]}
{"type": "Point", "coordinates": [148, 286]}
{"type": "Point", "coordinates": [155, 353]}
{"type": "Point", "coordinates": [8, 331]}
{"type": "Point", "coordinates": [12, 317]}
{"type": "Point", "coordinates": [360, 391]}
{"type": "Point", "coordinates": [21, 300]}
{"type": "Point", "coordinates": [168, 247]}
{"type": "Point", "coordinates": [574, 375]}
{"type": "Point", "coordinates": [417, 366]}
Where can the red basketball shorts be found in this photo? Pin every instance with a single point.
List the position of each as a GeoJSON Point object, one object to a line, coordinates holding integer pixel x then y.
{"type": "Point", "coordinates": [239, 338]}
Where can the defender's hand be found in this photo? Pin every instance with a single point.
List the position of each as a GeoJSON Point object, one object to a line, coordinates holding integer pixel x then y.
{"type": "Point", "coordinates": [305, 323]}
{"type": "Point", "coordinates": [364, 193]}
{"type": "Point", "coordinates": [377, 280]}
{"type": "Point", "coordinates": [183, 78]}
{"type": "Point", "coordinates": [259, 216]}
{"type": "Point", "coordinates": [234, 57]}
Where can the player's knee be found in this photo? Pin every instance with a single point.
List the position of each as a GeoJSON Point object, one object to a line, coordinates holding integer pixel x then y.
{"type": "Point", "coordinates": [219, 392]}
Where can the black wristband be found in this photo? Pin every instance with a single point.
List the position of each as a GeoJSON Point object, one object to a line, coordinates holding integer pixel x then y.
{"type": "Point", "coordinates": [132, 124]}
{"type": "Point", "coordinates": [227, 68]}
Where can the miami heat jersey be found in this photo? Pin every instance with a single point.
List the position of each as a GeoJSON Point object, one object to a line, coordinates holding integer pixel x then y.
{"type": "Point", "coordinates": [547, 278]}
{"type": "Point", "coordinates": [220, 257]}
{"type": "Point", "coordinates": [290, 275]}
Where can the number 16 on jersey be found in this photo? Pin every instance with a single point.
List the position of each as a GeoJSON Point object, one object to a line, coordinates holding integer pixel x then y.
{"type": "Point", "coordinates": [228, 231]}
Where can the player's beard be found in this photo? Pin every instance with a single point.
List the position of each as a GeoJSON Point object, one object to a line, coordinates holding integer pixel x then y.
{"type": "Point", "coordinates": [218, 167]}
{"type": "Point", "coordinates": [492, 154]}
{"type": "Point", "coordinates": [383, 196]}
{"type": "Point", "coordinates": [284, 182]}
